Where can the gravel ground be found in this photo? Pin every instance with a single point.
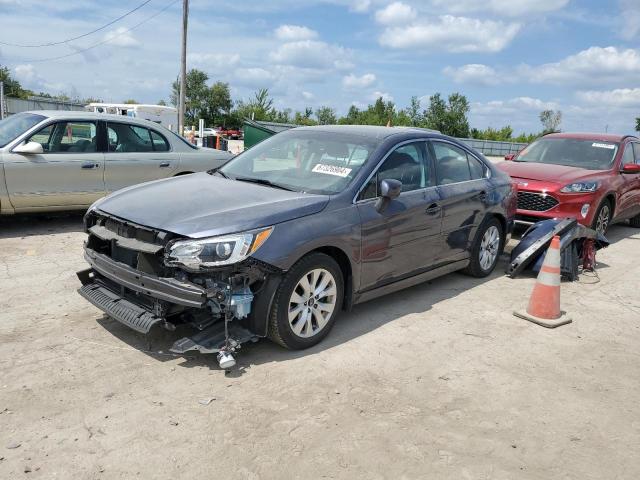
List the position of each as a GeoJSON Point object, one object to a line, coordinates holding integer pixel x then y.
{"type": "Point", "coordinates": [438, 381]}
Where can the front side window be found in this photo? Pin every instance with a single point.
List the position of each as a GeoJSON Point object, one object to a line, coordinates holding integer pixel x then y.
{"type": "Point", "coordinates": [15, 125]}
{"type": "Point", "coordinates": [303, 160]}
{"type": "Point", "coordinates": [67, 137]}
{"type": "Point", "coordinates": [628, 156]}
{"type": "Point", "coordinates": [407, 164]}
{"type": "Point", "coordinates": [636, 148]}
{"type": "Point", "coordinates": [570, 152]}
{"type": "Point", "coordinates": [453, 165]}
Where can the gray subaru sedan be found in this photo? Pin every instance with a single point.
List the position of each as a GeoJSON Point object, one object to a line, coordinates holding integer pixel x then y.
{"type": "Point", "coordinates": [280, 240]}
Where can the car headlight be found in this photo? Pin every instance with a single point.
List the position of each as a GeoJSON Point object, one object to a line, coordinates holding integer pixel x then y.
{"type": "Point", "coordinates": [580, 187]}
{"type": "Point", "coordinates": [215, 251]}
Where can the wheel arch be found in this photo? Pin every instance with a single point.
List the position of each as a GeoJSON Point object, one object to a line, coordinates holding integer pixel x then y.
{"type": "Point", "coordinates": [342, 259]}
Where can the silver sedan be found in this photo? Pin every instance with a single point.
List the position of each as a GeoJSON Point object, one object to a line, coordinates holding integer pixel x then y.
{"type": "Point", "coordinates": [61, 160]}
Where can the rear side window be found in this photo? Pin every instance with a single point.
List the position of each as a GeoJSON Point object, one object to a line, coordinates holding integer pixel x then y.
{"type": "Point", "coordinates": [159, 142]}
{"type": "Point", "coordinates": [452, 165]}
{"type": "Point", "coordinates": [476, 167]}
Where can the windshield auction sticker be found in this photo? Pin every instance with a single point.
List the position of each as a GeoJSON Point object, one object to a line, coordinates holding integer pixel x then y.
{"type": "Point", "coordinates": [331, 170]}
{"type": "Point", "coordinates": [603, 145]}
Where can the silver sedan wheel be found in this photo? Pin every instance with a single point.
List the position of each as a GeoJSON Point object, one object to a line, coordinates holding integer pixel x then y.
{"type": "Point", "coordinates": [603, 219]}
{"type": "Point", "coordinates": [489, 246]}
{"type": "Point", "coordinates": [312, 303]}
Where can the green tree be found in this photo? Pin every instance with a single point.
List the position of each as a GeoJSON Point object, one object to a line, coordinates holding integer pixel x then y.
{"type": "Point", "coordinates": [196, 95]}
{"type": "Point", "coordinates": [413, 112]}
{"type": "Point", "coordinates": [551, 120]}
{"type": "Point", "coordinates": [638, 124]}
{"type": "Point", "coordinates": [131, 101]}
{"type": "Point", "coordinates": [12, 87]}
{"type": "Point", "coordinates": [162, 103]}
{"type": "Point", "coordinates": [449, 117]}
{"type": "Point", "coordinates": [304, 118]}
{"type": "Point", "coordinates": [218, 104]}
{"type": "Point", "coordinates": [326, 116]}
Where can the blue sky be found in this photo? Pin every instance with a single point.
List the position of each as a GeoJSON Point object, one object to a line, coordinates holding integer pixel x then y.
{"type": "Point", "coordinates": [511, 58]}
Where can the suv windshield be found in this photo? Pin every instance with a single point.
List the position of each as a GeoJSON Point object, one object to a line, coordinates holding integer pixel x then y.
{"type": "Point", "coordinates": [303, 160]}
{"type": "Point", "coordinates": [571, 152]}
{"type": "Point", "coordinates": [11, 127]}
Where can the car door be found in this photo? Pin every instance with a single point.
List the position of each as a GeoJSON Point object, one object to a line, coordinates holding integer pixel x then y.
{"type": "Point", "coordinates": [136, 154]}
{"type": "Point", "coordinates": [463, 188]}
{"type": "Point", "coordinates": [400, 240]}
{"type": "Point", "coordinates": [628, 184]}
{"type": "Point", "coordinates": [69, 172]}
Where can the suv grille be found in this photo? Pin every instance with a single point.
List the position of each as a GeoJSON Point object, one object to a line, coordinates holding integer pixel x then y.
{"type": "Point", "coordinates": [537, 202]}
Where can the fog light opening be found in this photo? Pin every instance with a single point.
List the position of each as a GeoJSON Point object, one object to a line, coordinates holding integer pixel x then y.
{"type": "Point", "coordinates": [584, 211]}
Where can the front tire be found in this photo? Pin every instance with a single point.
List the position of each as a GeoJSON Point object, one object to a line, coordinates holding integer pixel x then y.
{"type": "Point", "coordinates": [486, 249]}
{"type": "Point", "coordinates": [307, 302]}
{"type": "Point", "coordinates": [602, 218]}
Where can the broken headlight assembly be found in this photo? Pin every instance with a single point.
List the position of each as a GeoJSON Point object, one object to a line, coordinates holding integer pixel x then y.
{"type": "Point", "coordinates": [193, 255]}
{"type": "Point", "coordinates": [580, 187]}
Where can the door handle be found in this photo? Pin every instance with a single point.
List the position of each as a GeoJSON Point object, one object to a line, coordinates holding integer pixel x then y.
{"type": "Point", "coordinates": [89, 165]}
{"type": "Point", "coordinates": [433, 209]}
{"type": "Point", "coordinates": [482, 196]}
{"type": "Point", "coordinates": [165, 164]}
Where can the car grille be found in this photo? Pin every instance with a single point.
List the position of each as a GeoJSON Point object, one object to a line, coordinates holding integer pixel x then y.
{"type": "Point", "coordinates": [537, 202]}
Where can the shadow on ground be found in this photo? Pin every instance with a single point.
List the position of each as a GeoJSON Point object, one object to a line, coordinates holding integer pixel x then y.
{"type": "Point", "coordinates": [31, 224]}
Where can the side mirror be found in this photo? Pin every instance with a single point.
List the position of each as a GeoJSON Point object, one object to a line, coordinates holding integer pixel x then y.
{"type": "Point", "coordinates": [510, 156]}
{"type": "Point", "coordinates": [389, 189]}
{"type": "Point", "coordinates": [631, 168]}
{"type": "Point", "coordinates": [29, 148]}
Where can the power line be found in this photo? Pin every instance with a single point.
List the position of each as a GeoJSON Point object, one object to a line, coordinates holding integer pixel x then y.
{"type": "Point", "coordinates": [39, 60]}
{"type": "Point", "coordinates": [79, 36]}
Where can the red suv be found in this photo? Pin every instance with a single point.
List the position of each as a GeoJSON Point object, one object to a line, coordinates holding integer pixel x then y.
{"type": "Point", "coordinates": [592, 177]}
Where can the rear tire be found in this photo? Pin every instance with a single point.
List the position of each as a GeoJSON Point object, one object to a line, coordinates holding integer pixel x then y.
{"type": "Point", "coordinates": [486, 249]}
{"type": "Point", "coordinates": [307, 302]}
{"type": "Point", "coordinates": [602, 218]}
{"type": "Point", "coordinates": [635, 221]}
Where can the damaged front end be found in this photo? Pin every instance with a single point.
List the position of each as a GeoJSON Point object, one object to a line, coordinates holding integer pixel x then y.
{"type": "Point", "coordinates": [144, 277]}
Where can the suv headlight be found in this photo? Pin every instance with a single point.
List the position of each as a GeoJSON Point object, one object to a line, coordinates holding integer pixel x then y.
{"type": "Point", "coordinates": [580, 187]}
{"type": "Point", "coordinates": [215, 251]}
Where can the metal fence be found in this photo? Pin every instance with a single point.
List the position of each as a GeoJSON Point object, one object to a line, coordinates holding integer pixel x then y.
{"type": "Point", "coordinates": [493, 148]}
{"type": "Point", "coordinates": [17, 105]}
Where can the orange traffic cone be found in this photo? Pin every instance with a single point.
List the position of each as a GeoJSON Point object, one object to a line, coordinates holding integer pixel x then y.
{"type": "Point", "coordinates": [544, 304]}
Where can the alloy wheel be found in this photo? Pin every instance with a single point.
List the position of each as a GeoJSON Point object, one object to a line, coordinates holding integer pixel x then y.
{"type": "Point", "coordinates": [312, 303]}
{"type": "Point", "coordinates": [602, 222]}
{"type": "Point", "coordinates": [489, 247]}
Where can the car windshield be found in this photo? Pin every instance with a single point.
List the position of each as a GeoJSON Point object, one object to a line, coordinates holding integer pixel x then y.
{"type": "Point", "coordinates": [303, 160]}
{"type": "Point", "coordinates": [571, 152]}
{"type": "Point", "coordinates": [11, 127]}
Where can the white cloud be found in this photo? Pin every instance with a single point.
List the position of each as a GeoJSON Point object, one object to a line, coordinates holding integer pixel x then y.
{"type": "Point", "coordinates": [593, 65]}
{"type": "Point", "coordinates": [308, 95]}
{"type": "Point", "coordinates": [396, 13]}
{"type": "Point", "coordinates": [353, 82]}
{"type": "Point", "coordinates": [213, 62]}
{"type": "Point", "coordinates": [360, 6]}
{"type": "Point", "coordinates": [474, 73]}
{"type": "Point", "coordinates": [512, 8]}
{"type": "Point", "coordinates": [254, 77]}
{"type": "Point", "coordinates": [387, 97]}
{"type": "Point", "coordinates": [630, 15]}
{"type": "Point", "coordinates": [620, 97]}
{"type": "Point", "coordinates": [295, 32]}
{"type": "Point", "coordinates": [312, 54]}
{"type": "Point", "coordinates": [26, 73]}
{"type": "Point", "coordinates": [120, 37]}
{"type": "Point", "coordinates": [454, 34]}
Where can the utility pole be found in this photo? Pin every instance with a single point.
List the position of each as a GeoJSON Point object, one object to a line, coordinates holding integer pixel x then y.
{"type": "Point", "coordinates": [183, 67]}
{"type": "Point", "coordinates": [1, 100]}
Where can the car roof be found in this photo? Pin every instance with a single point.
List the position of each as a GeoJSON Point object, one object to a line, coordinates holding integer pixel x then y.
{"type": "Point", "coordinates": [371, 131]}
{"type": "Point", "coordinates": [82, 115]}
{"type": "Point", "coordinates": [603, 137]}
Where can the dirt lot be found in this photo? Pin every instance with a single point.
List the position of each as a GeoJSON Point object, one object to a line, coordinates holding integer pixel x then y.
{"type": "Point", "coordinates": [439, 381]}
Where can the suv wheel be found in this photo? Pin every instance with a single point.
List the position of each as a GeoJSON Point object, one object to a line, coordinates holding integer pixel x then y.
{"type": "Point", "coordinates": [307, 302]}
{"type": "Point", "coordinates": [635, 221]}
{"type": "Point", "coordinates": [486, 249]}
{"type": "Point", "coordinates": [602, 218]}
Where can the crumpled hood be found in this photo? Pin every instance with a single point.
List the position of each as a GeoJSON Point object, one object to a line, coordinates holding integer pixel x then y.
{"type": "Point", "coordinates": [547, 172]}
{"type": "Point", "coordinates": [202, 205]}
